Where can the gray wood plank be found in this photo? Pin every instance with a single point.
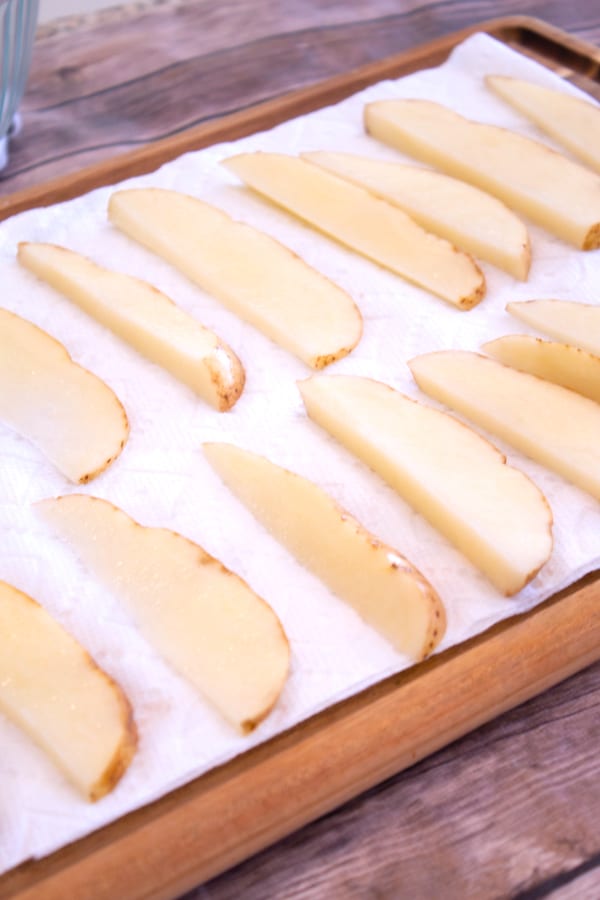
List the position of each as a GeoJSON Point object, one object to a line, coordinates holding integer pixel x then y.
{"type": "Point", "coordinates": [96, 91]}
{"type": "Point", "coordinates": [513, 806]}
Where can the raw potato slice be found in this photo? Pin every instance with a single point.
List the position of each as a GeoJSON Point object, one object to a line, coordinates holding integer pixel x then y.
{"type": "Point", "coordinates": [202, 618]}
{"type": "Point", "coordinates": [464, 215]}
{"type": "Point", "coordinates": [71, 415]}
{"type": "Point", "coordinates": [460, 482]}
{"type": "Point", "coordinates": [252, 274]}
{"type": "Point", "coordinates": [553, 191]}
{"type": "Point", "coordinates": [370, 226]}
{"type": "Point", "coordinates": [52, 689]}
{"type": "Point", "coordinates": [381, 585]}
{"type": "Point", "coordinates": [562, 364]}
{"type": "Point", "coordinates": [558, 428]}
{"type": "Point", "coordinates": [565, 320]}
{"type": "Point", "coordinates": [571, 121]}
{"type": "Point", "coordinates": [145, 318]}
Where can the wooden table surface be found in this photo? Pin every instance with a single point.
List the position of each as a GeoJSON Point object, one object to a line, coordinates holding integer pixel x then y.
{"type": "Point", "coordinates": [514, 808]}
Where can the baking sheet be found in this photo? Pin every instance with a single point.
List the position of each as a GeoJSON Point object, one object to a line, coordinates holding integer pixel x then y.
{"type": "Point", "coordinates": [162, 479]}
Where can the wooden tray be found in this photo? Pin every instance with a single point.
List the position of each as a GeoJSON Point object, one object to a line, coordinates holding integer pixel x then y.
{"type": "Point", "coordinates": [232, 812]}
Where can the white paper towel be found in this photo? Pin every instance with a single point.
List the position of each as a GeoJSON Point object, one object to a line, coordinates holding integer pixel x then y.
{"type": "Point", "coordinates": [162, 478]}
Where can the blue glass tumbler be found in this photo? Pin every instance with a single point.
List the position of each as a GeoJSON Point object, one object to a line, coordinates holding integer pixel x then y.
{"type": "Point", "coordinates": [18, 19]}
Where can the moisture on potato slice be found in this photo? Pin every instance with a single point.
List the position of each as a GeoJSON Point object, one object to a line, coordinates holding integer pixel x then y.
{"type": "Point", "coordinates": [471, 219]}
{"type": "Point", "coordinates": [567, 321]}
{"type": "Point", "coordinates": [571, 121]}
{"type": "Point", "coordinates": [202, 618]}
{"type": "Point", "coordinates": [562, 364]}
{"type": "Point", "coordinates": [555, 426]}
{"type": "Point", "coordinates": [364, 223]}
{"type": "Point", "coordinates": [460, 482]}
{"type": "Point", "coordinates": [255, 276]}
{"type": "Point", "coordinates": [70, 414]}
{"type": "Point", "coordinates": [144, 317]}
{"type": "Point", "coordinates": [556, 193]}
{"type": "Point", "coordinates": [381, 585]}
{"type": "Point", "coordinates": [54, 691]}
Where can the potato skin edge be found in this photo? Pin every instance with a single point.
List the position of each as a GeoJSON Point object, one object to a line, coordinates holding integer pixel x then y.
{"type": "Point", "coordinates": [124, 752]}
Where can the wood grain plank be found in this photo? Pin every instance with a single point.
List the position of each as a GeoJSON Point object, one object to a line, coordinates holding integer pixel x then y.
{"type": "Point", "coordinates": [101, 56]}
{"type": "Point", "coordinates": [200, 60]}
{"type": "Point", "coordinates": [229, 127]}
{"type": "Point", "coordinates": [581, 884]}
{"type": "Point", "coordinates": [110, 54]}
{"type": "Point", "coordinates": [486, 827]}
{"type": "Point", "coordinates": [548, 43]}
{"type": "Point", "coordinates": [186, 93]}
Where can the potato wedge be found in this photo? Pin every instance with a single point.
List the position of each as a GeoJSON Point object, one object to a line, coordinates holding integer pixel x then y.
{"type": "Point", "coordinates": [567, 321]}
{"type": "Point", "coordinates": [460, 482]}
{"type": "Point", "coordinates": [255, 276]}
{"type": "Point", "coordinates": [555, 426]}
{"type": "Point", "coordinates": [370, 226]}
{"type": "Point", "coordinates": [52, 689]}
{"type": "Point", "coordinates": [571, 121]}
{"type": "Point", "coordinates": [562, 364]}
{"type": "Point", "coordinates": [71, 415]}
{"type": "Point", "coordinates": [145, 318]}
{"type": "Point", "coordinates": [560, 195]}
{"type": "Point", "coordinates": [202, 618]}
{"type": "Point", "coordinates": [382, 586]}
{"type": "Point", "coordinates": [469, 218]}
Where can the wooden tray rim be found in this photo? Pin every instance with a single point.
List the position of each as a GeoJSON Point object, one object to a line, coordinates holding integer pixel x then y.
{"type": "Point", "coordinates": [277, 109]}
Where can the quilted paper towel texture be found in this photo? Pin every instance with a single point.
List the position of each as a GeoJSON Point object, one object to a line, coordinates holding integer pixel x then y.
{"type": "Point", "coordinates": [162, 479]}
